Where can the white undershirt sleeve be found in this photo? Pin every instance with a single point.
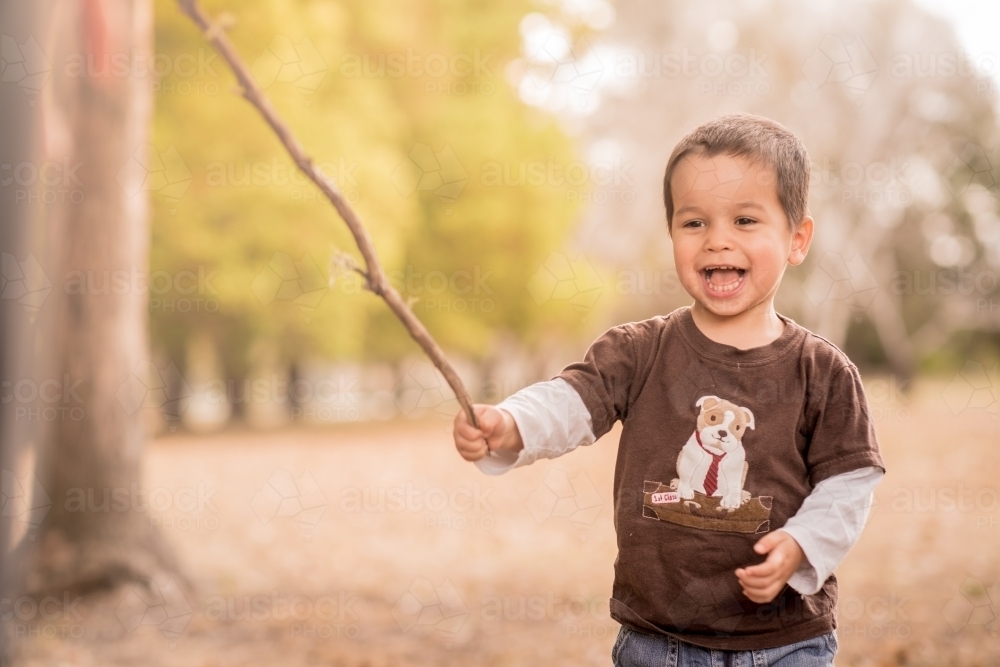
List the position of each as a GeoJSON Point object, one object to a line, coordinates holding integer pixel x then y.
{"type": "Point", "coordinates": [828, 524]}
{"type": "Point", "coordinates": [552, 420]}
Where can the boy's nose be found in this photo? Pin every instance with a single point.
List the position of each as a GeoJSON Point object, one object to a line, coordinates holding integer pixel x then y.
{"type": "Point", "coordinates": [719, 238]}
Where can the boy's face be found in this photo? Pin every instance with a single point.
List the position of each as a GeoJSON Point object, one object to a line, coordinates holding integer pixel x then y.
{"type": "Point", "coordinates": [731, 237]}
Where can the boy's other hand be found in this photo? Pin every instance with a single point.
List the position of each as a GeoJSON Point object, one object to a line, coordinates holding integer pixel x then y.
{"type": "Point", "coordinates": [497, 431]}
{"type": "Point", "coordinates": [762, 583]}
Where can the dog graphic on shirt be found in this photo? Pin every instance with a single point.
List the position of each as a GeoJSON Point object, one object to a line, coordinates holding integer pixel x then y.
{"type": "Point", "coordinates": [713, 461]}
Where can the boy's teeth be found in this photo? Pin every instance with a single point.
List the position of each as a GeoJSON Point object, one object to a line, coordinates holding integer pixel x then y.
{"type": "Point", "coordinates": [724, 278]}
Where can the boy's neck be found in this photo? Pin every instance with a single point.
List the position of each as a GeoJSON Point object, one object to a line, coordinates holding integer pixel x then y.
{"type": "Point", "coordinates": [752, 328]}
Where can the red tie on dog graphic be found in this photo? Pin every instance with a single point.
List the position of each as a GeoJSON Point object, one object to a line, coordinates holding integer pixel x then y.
{"type": "Point", "coordinates": [712, 476]}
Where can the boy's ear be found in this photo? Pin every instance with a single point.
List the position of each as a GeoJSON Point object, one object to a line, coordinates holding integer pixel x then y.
{"type": "Point", "coordinates": [801, 240]}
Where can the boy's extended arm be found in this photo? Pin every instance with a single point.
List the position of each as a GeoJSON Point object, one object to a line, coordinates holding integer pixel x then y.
{"type": "Point", "coordinates": [828, 524]}
{"type": "Point", "coordinates": [552, 421]}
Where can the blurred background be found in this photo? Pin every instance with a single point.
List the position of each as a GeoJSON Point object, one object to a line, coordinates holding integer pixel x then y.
{"type": "Point", "coordinates": [219, 449]}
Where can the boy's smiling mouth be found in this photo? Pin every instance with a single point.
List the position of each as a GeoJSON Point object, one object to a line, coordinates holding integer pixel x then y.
{"type": "Point", "coordinates": [723, 278]}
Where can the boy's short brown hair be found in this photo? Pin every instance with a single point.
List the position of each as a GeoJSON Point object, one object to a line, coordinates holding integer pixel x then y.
{"type": "Point", "coordinates": [759, 140]}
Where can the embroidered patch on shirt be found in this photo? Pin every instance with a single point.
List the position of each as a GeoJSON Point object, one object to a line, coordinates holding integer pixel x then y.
{"type": "Point", "coordinates": [712, 469]}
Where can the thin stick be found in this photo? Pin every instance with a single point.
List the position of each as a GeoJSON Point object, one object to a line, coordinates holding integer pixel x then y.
{"type": "Point", "coordinates": [374, 275]}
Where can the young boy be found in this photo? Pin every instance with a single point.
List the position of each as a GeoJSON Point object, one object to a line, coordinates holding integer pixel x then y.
{"type": "Point", "coordinates": [747, 456]}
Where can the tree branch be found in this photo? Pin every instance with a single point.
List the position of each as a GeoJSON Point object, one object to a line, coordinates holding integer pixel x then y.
{"type": "Point", "coordinates": [375, 276]}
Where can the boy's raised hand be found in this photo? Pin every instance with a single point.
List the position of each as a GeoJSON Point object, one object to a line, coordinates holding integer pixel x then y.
{"type": "Point", "coordinates": [497, 431]}
{"type": "Point", "coordinates": [762, 583]}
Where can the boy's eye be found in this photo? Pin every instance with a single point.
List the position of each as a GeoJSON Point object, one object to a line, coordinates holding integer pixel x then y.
{"type": "Point", "coordinates": [745, 221]}
{"type": "Point", "coordinates": [693, 223]}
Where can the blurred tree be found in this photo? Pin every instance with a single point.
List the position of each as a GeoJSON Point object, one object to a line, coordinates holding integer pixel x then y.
{"type": "Point", "coordinates": [18, 145]}
{"type": "Point", "coordinates": [97, 532]}
{"type": "Point", "coordinates": [408, 109]}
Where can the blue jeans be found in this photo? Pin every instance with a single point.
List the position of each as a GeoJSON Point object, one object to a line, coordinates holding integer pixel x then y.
{"type": "Point", "coordinates": [634, 648]}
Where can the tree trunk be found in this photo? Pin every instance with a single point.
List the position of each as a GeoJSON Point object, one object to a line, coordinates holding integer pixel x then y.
{"type": "Point", "coordinates": [97, 533]}
{"type": "Point", "coordinates": [20, 293]}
